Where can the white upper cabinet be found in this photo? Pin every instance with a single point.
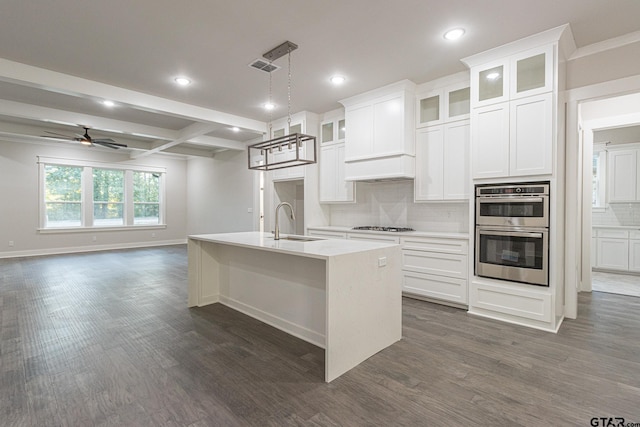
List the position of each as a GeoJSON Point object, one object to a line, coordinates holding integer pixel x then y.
{"type": "Point", "coordinates": [333, 187]}
{"type": "Point", "coordinates": [531, 133]}
{"type": "Point", "coordinates": [523, 74]}
{"type": "Point", "coordinates": [443, 105]}
{"type": "Point", "coordinates": [532, 72]}
{"type": "Point", "coordinates": [622, 175]}
{"type": "Point", "coordinates": [379, 143]}
{"type": "Point", "coordinates": [442, 162]}
{"type": "Point", "coordinates": [514, 96]}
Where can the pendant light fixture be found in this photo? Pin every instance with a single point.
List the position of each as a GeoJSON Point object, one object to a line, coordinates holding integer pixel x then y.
{"type": "Point", "coordinates": [287, 151]}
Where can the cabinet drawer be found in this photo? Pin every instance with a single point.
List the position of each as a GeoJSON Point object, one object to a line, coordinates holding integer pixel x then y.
{"type": "Point", "coordinates": [450, 265]}
{"type": "Point", "coordinates": [450, 246]}
{"type": "Point", "coordinates": [329, 234]}
{"type": "Point", "coordinates": [440, 287]}
{"type": "Point", "coordinates": [613, 234]}
{"type": "Point", "coordinates": [634, 234]}
{"type": "Point", "coordinates": [374, 238]}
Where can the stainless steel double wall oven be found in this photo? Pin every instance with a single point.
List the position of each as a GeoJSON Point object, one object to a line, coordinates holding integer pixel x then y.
{"type": "Point", "coordinates": [512, 232]}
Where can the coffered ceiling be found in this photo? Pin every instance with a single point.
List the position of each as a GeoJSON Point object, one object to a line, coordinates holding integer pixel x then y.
{"type": "Point", "coordinates": [60, 59]}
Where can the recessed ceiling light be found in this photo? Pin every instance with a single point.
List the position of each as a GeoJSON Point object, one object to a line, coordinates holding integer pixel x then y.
{"type": "Point", "coordinates": [182, 81]}
{"type": "Point", "coordinates": [269, 106]}
{"type": "Point", "coordinates": [337, 80]}
{"type": "Point", "coordinates": [493, 76]}
{"type": "Point", "coordinates": [454, 34]}
{"type": "Point", "coordinates": [108, 103]}
{"type": "Point", "coordinates": [235, 129]}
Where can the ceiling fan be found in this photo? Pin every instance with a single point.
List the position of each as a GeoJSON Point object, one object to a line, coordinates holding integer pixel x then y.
{"type": "Point", "coordinates": [86, 139]}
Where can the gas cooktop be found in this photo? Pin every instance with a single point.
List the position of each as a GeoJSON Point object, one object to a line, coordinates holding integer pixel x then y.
{"type": "Point", "coordinates": [376, 228]}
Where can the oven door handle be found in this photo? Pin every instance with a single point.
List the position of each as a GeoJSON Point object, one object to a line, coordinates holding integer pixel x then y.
{"type": "Point", "coordinates": [510, 233]}
{"type": "Point", "coordinates": [511, 199]}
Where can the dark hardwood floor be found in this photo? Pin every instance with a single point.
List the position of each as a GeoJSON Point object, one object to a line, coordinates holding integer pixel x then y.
{"type": "Point", "coordinates": [107, 339]}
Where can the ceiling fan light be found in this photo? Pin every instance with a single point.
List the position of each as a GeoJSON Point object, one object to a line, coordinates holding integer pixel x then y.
{"type": "Point", "coordinates": [108, 103]}
{"type": "Point", "coordinates": [85, 142]}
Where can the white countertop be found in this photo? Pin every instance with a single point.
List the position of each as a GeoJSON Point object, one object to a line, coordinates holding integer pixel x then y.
{"type": "Point", "coordinates": [322, 248]}
{"type": "Point", "coordinates": [442, 235]}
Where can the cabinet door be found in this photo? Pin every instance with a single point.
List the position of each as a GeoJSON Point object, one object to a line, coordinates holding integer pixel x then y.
{"type": "Point", "coordinates": [429, 182]}
{"type": "Point", "coordinates": [344, 189]}
{"type": "Point", "coordinates": [634, 255]}
{"type": "Point", "coordinates": [359, 139]}
{"type": "Point", "coordinates": [456, 161]}
{"type": "Point", "coordinates": [457, 102]}
{"type": "Point", "coordinates": [490, 83]}
{"type": "Point", "coordinates": [388, 126]}
{"type": "Point", "coordinates": [490, 141]}
{"type": "Point", "coordinates": [327, 132]}
{"type": "Point", "coordinates": [327, 172]}
{"type": "Point", "coordinates": [531, 128]}
{"type": "Point", "coordinates": [429, 109]}
{"type": "Point", "coordinates": [532, 72]}
{"type": "Point", "coordinates": [613, 254]}
{"type": "Point", "coordinates": [622, 175]}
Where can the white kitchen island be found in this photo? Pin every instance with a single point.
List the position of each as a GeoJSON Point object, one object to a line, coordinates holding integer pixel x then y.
{"type": "Point", "coordinates": [341, 295]}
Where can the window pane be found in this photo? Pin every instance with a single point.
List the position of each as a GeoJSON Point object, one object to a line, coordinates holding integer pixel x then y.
{"type": "Point", "coordinates": [107, 214]}
{"type": "Point", "coordinates": [63, 195]}
{"type": "Point", "coordinates": [146, 187]}
{"type": "Point", "coordinates": [146, 213]}
{"type": "Point", "coordinates": [63, 214]}
{"type": "Point", "coordinates": [63, 183]}
{"type": "Point", "coordinates": [108, 185]}
{"type": "Point", "coordinates": [108, 195]}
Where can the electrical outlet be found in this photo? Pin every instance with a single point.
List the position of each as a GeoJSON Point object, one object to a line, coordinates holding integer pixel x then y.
{"type": "Point", "coordinates": [249, 210]}
{"type": "Point", "coordinates": [10, 243]}
{"type": "Point", "coordinates": [382, 261]}
{"type": "Point", "coordinates": [94, 238]}
{"type": "Point", "coordinates": [153, 235]}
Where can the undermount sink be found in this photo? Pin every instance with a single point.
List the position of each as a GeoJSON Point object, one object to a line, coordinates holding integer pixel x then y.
{"type": "Point", "coordinates": [300, 238]}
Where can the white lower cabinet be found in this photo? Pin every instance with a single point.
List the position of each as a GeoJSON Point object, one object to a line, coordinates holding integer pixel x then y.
{"type": "Point", "coordinates": [435, 268]}
{"type": "Point", "coordinates": [634, 255]}
{"type": "Point", "coordinates": [373, 237]}
{"type": "Point", "coordinates": [613, 254]}
{"type": "Point", "coordinates": [327, 234]}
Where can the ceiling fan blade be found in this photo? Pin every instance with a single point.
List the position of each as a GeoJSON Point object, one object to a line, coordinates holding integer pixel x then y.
{"type": "Point", "coordinates": [58, 134]}
{"type": "Point", "coordinates": [113, 145]}
{"type": "Point", "coordinates": [104, 140]}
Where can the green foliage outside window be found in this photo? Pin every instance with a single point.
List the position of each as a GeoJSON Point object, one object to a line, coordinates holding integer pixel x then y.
{"type": "Point", "coordinates": [63, 195]}
{"type": "Point", "coordinates": [108, 197]}
{"type": "Point", "coordinates": [146, 198]}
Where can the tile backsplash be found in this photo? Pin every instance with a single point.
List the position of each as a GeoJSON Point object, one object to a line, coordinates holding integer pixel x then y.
{"type": "Point", "coordinates": [391, 204]}
{"type": "Point", "coordinates": [627, 214]}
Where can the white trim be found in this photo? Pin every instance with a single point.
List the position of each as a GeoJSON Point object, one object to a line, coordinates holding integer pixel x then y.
{"type": "Point", "coordinates": [605, 45]}
{"type": "Point", "coordinates": [67, 230]}
{"type": "Point", "coordinates": [76, 249]}
{"type": "Point", "coordinates": [100, 165]}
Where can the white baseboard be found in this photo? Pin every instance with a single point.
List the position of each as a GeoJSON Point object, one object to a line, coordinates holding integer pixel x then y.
{"type": "Point", "coordinates": [277, 322]}
{"type": "Point", "coordinates": [92, 248]}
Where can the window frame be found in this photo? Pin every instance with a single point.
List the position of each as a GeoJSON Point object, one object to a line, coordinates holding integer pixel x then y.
{"type": "Point", "coordinates": [87, 203]}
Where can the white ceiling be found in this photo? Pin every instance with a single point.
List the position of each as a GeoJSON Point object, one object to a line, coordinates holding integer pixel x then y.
{"type": "Point", "coordinates": [142, 45]}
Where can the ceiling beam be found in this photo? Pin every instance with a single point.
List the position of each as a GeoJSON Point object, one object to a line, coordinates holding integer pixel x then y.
{"type": "Point", "coordinates": [69, 118]}
{"type": "Point", "coordinates": [185, 134]}
{"type": "Point", "coordinates": [27, 75]}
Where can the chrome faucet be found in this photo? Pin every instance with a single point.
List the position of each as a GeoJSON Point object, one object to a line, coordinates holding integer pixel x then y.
{"type": "Point", "coordinates": [293, 217]}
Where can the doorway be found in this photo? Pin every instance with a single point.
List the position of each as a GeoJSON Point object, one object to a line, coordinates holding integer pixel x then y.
{"type": "Point", "coordinates": [611, 208]}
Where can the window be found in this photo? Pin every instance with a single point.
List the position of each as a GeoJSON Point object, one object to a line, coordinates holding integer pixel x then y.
{"type": "Point", "coordinates": [146, 198]}
{"type": "Point", "coordinates": [598, 169]}
{"type": "Point", "coordinates": [108, 197]}
{"type": "Point", "coordinates": [63, 196]}
{"type": "Point", "coordinates": [88, 195]}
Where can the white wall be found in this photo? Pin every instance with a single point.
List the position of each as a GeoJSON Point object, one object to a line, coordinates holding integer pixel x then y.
{"type": "Point", "coordinates": [391, 204]}
{"type": "Point", "coordinates": [219, 193]}
{"type": "Point", "coordinates": [19, 201]}
{"type": "Point", "coordinates": [612, 64]}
